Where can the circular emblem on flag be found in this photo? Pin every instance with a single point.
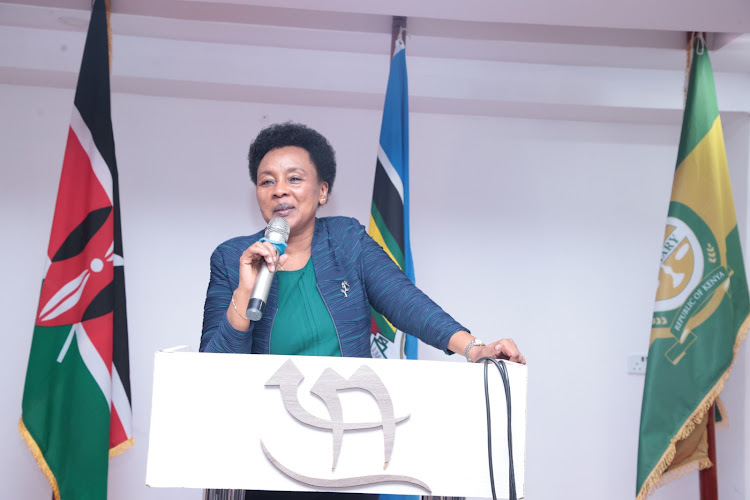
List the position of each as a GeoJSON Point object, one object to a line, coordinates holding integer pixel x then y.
{"type": "Point", "coordinates": [690, 275]}
{"type": "Point", "coordinates": [682, 265]}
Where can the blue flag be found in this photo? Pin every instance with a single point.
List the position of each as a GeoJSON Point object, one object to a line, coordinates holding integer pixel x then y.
{"type": "Point", "coordinates": [389, 215]}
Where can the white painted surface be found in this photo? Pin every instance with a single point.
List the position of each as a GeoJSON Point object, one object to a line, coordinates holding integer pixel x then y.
{"type": "Point", "coordinates": [224, 395]}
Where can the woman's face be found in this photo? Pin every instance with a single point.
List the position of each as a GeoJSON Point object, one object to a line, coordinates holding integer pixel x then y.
{"type": "Point", "coordinates": [288, 187]}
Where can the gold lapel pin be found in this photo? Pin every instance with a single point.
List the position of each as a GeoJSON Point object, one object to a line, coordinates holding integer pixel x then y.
{"type": "Point", "coordinates": [344, 288]}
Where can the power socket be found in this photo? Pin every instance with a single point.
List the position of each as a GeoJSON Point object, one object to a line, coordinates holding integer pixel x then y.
{"type": "Point", "coordinates": [637, 364]}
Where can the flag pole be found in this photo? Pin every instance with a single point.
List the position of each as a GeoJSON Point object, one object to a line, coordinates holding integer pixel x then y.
{"type": "Point", "coordinates": [708, 477]}
{"type": "Point", "coordinates": [399, 24]}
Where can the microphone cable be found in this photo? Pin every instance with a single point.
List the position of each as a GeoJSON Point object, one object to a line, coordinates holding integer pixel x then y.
{"type": "Point", "coordinates": [500, 364]}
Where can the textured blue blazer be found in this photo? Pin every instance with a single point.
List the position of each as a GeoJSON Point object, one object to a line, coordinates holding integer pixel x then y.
{"type": "Point", "coordinates": [341, 251]}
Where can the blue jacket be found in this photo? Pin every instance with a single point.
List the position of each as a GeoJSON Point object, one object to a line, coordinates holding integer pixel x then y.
{"type": "Point", "coordinates": [341, 251]}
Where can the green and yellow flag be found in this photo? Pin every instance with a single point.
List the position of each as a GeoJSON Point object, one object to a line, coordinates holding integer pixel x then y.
{"type": "Point", "coordinates": [701, 311]}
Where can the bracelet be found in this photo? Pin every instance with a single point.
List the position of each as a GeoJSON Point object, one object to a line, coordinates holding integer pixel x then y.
{"type": "Point", "coordinates": [237, 311]}
{"type": "Point", "coordinates": [471, 344]}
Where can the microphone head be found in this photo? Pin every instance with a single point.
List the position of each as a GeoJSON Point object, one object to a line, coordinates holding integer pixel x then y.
{"type": "Point", "coordinates": [277, 229]}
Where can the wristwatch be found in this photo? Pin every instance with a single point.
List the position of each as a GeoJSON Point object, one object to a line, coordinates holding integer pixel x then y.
{"type": "Point", "coordinates": [469, 346]}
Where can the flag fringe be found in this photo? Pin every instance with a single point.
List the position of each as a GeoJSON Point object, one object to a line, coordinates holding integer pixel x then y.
{"type": "Point", "coordinates": [686, 469]}
{"type": "Point", "coordinates": [124, 446]}
{"type": "Point", "coordinates": [654, 479]}
{"type": "Point", "coordinates": [36, 452]}
{"type": "Point", "coordinates": [39, 457]}
{"type": "Point", "coordinates": [724, 424]}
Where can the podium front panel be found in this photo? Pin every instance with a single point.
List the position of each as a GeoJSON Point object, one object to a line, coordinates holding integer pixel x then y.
{"type": "Point", "coordinates": [298, 423]}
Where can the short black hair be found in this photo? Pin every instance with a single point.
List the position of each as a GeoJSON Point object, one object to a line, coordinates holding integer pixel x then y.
{"type": "Point", "coordinates": [281, 135]}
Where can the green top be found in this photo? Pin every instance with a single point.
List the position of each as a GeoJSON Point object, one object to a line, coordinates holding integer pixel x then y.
{"type": "Point", "coordinates": [303, 324]}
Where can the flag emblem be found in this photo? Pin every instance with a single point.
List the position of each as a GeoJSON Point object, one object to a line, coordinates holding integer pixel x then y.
{"type": "Point", "coordinates": [682, 262]}
{"type": "Point", "coordinates": [692, 281]}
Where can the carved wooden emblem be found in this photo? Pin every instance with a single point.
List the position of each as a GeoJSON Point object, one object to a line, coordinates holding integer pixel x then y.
{"type": "Point", "coordinates": [288, 378]}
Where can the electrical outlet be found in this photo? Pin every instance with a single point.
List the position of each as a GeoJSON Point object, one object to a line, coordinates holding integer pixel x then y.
{"type": "Point", "coordinates": [637, 364]}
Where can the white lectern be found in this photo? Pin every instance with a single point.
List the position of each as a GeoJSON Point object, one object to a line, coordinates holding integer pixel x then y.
{"type": "Point", "coordinates": [297, 423]}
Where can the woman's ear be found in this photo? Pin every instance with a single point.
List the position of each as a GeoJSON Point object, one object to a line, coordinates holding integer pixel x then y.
{"type": "Point", "coordinates": [323, 193]}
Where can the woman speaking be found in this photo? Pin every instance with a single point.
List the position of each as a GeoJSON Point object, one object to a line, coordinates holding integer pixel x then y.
{"type": "Point", "coordinates": [329, 275]}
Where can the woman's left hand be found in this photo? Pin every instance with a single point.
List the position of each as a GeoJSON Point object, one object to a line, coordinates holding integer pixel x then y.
{"type": "Point", "coordinates": [502, 349]}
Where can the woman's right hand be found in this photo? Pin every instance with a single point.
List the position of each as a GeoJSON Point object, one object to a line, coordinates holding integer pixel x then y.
{"type": "Point", "coordinates": [256, 255]}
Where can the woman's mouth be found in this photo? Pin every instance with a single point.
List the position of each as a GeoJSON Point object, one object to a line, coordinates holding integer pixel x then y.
{"type": "Point", "coordinates": [282, 209]}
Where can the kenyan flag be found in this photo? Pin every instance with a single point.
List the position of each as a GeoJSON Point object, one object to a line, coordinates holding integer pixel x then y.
{"type": "Point", "coordinates": [76, 401]}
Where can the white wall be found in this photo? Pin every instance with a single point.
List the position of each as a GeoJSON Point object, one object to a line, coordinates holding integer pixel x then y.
{"type": "Point", "coordinates": [734, 480]}
{"type": "Point", "coordinates": [571, 217]}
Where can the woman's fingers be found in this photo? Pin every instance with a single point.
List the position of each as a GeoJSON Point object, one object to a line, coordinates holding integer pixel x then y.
{"type": "Point", "coordinates": [269, 254]}
{"type": "Point", "coordinates": [507, 349]}
{"type": "Point", "coordinates": [257, 254]}
{"type": "Point", "coordinates": [282, 260]}
{"type": "Point", "coordinates": [260, 251]}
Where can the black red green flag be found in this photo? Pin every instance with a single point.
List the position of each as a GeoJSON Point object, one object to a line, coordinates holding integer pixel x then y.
{"type": "Point", "coordinates": [76, 409]}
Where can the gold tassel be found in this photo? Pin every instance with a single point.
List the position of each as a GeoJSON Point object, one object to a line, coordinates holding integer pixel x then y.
{"type": "Point", "coordinates": [39, 457]}
{"type": "Point", "coordinates": [124, 446]}
{"type": "Point", "coordinates": [674, 475]}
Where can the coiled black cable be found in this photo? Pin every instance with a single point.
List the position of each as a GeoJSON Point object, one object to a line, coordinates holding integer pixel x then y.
{"type": "Point", "coordinates": [500, 364]}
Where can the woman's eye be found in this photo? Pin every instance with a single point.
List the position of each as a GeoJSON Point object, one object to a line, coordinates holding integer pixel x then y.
{"type": "Point", "coordinates": [266, 182]}
{"type": "Point", "coordinates": [295, 179]}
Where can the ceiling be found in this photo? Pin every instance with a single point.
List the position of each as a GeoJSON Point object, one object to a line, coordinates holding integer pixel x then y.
{"type": "Point", "coordinates": [577, 59]}
{"type": "Point", "coordinates": [723, 16]}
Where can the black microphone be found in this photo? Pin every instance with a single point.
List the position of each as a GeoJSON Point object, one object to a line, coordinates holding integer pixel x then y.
{"type": "Point", "coordinates": [277, 231]}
